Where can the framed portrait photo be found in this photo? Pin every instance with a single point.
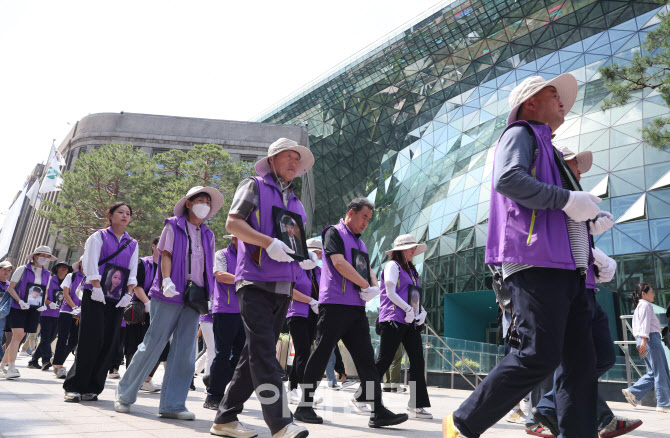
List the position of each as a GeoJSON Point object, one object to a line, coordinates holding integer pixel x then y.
{"type": "Point", "coordinates": [415, 298]}
{"type": "Point", "coordinates": [361, 263]}
{"type": "Point", "coordinates": [114, 281]}
{"type": "Point", "coordinates": [290, 230]}
{"type": "Point", "coordinates": [35, 295]}
{"type": "Point", "coordinates": [58, 297]}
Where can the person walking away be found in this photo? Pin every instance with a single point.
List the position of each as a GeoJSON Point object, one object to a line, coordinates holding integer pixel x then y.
{"type": "Point", "coordinates": [68, 318]}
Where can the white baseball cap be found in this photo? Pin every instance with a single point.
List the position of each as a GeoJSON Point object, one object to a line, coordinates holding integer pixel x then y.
{"type": "Point", "coordinates": [565, 84]}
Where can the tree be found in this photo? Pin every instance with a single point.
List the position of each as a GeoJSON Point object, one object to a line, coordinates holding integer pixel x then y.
{"type": "Point", "coordinates": [112, 173]}
{"type": "Point", "coordinates": [650, 70]}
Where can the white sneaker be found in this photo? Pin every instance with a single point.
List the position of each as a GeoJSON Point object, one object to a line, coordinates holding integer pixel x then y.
{"type": "Point", "coordinates": [25, 354]}
{"type": "Point", "coordinates": [12, 373]}
{"type": "Point", "coordinates": [348, 383]}
{"type": "Point", "coordinates": [663, 409]}
{"type": "Point", "coordinates": [292, 431]}
{"type": "Point", "coordinates": [359, 407]}
{"type": "Point", "coordinates": [318, 400]}
{"type": "Point", "coordinates": [61, 373]}
{"type": "Point", "coordinates": [121, 407]}
{"type": "Point", "coordinates": [233, 429]}
{"type": "Point", "coordinates": [150, 387]}
{"type": "Point", "coordinates": [630, 397]}
{"type": "Point", "coordinates": [293, 397]}
{"type": "Point", "coordinates": [419, 413]}
{"type": "Point", "coordinates": [516, 416]}
{"type": "Point", "coordinates": [114, 374]}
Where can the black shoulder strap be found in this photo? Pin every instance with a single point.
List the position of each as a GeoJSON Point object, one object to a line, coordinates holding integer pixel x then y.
{"type": "Point", "coordinates": [106, 259]}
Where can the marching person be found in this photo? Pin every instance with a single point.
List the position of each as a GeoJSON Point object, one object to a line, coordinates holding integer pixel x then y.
{"type": "Point", "coordinates": [5, 299]}
{"type": "Point", "coordinates": [343, 293]}
{"type": "Point", "coordinates": [228, 330]}
{"type": "Point", "coordinates": [106, 252]}
{"type": "Point", "coordinates": [68, 328]}
{"type": "Point", "coordinates": [24, 315]}
{"type": "Point", "coordinates": [49, 317]}
{"type": "Point", "coordinates": [263, 280]}
{"type": "Point", "coordinates": [186, 249]}
{"type": "Point", "coordinates": [301, 318]}
{"type": "Point", "coordinates": [537, 232]}
{"type": "Point", "coordinates": [401, 319]}
{"type": "Point", "coordinates": [647, 331]}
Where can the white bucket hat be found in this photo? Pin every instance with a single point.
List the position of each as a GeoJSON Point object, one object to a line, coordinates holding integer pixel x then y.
{"type": "Point", "coordinates": [407, 241]}
{"type": "Point", "coordinates": [314, 244]}
{"type": "Point", "coordinates": [565, 84]}
{"type": "Point", "coordinates": [5, 264]}
{"type": "Point", "coordinates": [584, 159]}
{"type": "Point", "coordinates": [215, 195]}
{"type": "Point", "coordinates": [41, 250]}
{"type": "Point", "coordinates": [262, 166]}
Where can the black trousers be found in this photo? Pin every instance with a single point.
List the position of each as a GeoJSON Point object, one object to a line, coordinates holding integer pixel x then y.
{"type": "Point", "coordinates": [391, 335]}
{"type": "Point", "coordinates": [48, 332]}
{"type": "Point", "coordinates": [263, 314]}
{"type": "Point", "coordinates": [99, 326]}
{"type": "Point", "coordinates": [349, 323]}
{"type": "Point", "coordinates": [229, 341]}
{"type": "Point", "coordinates": [68, 336]}
{"type": "Point", "coordinates": [554, 325]}
{"type": "Point", "coordinates": [303, 332]}
{"type": "Point", "coordinates": [118, 347]}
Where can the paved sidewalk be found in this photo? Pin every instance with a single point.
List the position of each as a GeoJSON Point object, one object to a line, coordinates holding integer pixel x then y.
{"type": "Point", "coordinates": [33, 406]}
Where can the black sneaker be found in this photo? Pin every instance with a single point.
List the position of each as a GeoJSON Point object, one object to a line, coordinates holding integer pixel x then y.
{"type": "Point", "coordinates": [307, 415]}
{"type": "Point", "coordinates": [211, 403]}
{"type": "Point", "coordinates": [383, 417]}
{"type": "Point", "coordinates": [205, 380]}
{"type": "Point", "coordinates": [46, 366]}
{"type": "Point", "coordinates": [34, 365]}
{"type": "Point", "coordinates": [192, 387]}
{"type": "Point", "coordinates": [548, 421]}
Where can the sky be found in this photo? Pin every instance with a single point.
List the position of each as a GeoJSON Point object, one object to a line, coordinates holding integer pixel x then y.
{"type": "Point", "coordinates": [62, 60]}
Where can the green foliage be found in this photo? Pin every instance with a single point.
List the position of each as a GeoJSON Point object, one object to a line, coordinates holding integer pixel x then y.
{"type": "Point", "coordinates": [648, 70]}
{"type": "Point", "coordinates": [470, 363]}
{"type": "Point", "coordinates": [151, 186]}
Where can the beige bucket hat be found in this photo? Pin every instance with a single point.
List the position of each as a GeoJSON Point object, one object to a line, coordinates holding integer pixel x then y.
{"type": "Point", "coordinates": [43, 249]}
{"type": "Point", "coordinates": [584, 159]}
{"type": "Point", "coordinates": [565, 84]}
{"type": "Point", "coordinates": [214, 194]}
{"type": "Point", "coordinates": [314, 244]}
{"type": "Point", "coordinates": [407, 241]}
{"type": "Point", "coordinates": [262, 166]}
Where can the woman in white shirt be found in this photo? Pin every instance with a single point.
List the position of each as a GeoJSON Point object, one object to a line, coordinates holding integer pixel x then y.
{"type": "Point", "coordinates": [647, 331]}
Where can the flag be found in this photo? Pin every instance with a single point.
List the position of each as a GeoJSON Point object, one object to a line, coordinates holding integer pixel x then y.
{"type": "Point", "coordinates": [52, 178]}
{"type": "Point", "coordinates": [33, 193]}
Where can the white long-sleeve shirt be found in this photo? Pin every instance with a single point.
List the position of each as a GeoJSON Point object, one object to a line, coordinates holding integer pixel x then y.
{"type": "Point", "coordinates": [645, 321]}
{"type": "Point", "coordinates": [92, 250]}
{"type": "Point", "coordinates": [391, 275]}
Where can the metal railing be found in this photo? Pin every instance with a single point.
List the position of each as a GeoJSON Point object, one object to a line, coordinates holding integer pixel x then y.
{"type": "Point", "coordinates": [451, 362]}
{"type": "Point", "coordinates": [625, 326]}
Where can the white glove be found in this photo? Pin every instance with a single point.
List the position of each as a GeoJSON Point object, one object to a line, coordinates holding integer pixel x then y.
{"type": "Point", "coordinates": [602, 223]}
{"type": "Point", "coordinates": [410, 316]}
{"type": "Point", "coordinates": [309, 263]}
{"type": "Point", "coordinates": [147, 307]}
{"type": "Point", "coordinates": [605, 275]}
{"type": "Point", "coordinates": [279, 251]}
{"type": "Point", "coordinates": [369, 293]}
{"type": "Point", "coordinates": [24, 305]}
{"type": "Point", "coordinates": [581, 206]}
{"type": "Point", "coordinates": [53, 306]}
{"type": "Point", "coordinates": [98, 295]}
{"type": "Point", "coordinates": [124, 301]}
{"type": "Point", "coordinates": [76, 311]}
{"type": "Point", "coordinates": [169, 289]}
{"type": "Point", "coordinates": [42, 308]}
{"type": "Point", "coordinates": [314, 304]}
{"type": "Point", "coordinates": [421, 317]}
{"type": "Point", "coordinates": [600, 259]}
{"type": "Point", "coordinates": [209, 305]}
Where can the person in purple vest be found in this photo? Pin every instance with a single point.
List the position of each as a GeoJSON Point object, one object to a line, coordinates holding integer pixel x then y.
{"type": "Point", "coordinates": [343, 293]}
{"type": "Point", "coordinates": [538, 233]}
{"type": "Point", "coordinates": [105, 251]}
{"type": "Point", "coordinates": [68, 330]}
{"type": "Point", "coordinates": [302, 315]}
{"type": "Point", "coordinates": [229, 334]}
{"type": "Point", "coordinates": [24, 318]}
{"type": "Point", "coordinates": [49, 317]}
{"type": "Point", "coordinates": [401, 318]}
{"type": "Point", "coordinates": [146, 269]}
{"type": "Point", "coordinates": [186, 249]}
{"type": "Point", "coordinates": [264, 280]}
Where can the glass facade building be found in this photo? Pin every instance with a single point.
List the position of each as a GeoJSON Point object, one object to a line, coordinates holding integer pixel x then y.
{"type": "Point", "coordinates": [412, 124]}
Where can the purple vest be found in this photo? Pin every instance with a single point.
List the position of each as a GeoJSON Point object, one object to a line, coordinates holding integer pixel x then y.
{"type": "Point", "coordinates": [77, 277]}
{"type": "Point", "coordinates": [225, 298]}
{"type": "Point", "coordinates": [109, 246]}
{"type": "Point", "coordinates": [517, 234]}
{"type": "Point", "coordinates": [29, 277]}
{"type": "Point", "coordinates": [590, 276]}
{"type": "Point", "coordinates": [178, 273]}
{"type": "Point", "coordinates": [208, 318]}
{"type": "Point", "coordinates": [54, 285]}
{"type": "Point", "coordinates": [333, 287]}
{"type": "Point", "coordinates": [308, 284]}
{"type": "Point", "coordinates": [261, 220]}
{"type": "Point", "coordinates": [388, 311]}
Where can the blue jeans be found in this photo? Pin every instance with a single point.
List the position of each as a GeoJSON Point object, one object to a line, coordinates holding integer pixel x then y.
{"type": "Point", "coordinates": [330, 368]}
{"type": "Point", "coordinates": [658, 376]}
{"type": "Point", "coordinates": [167, 320]}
